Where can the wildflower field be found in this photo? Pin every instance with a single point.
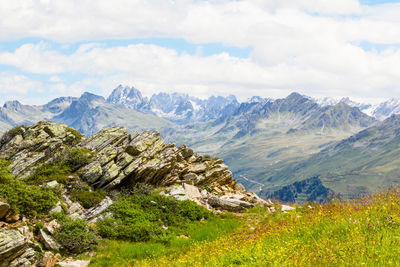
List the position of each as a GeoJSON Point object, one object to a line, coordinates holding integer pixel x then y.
{"type": "Point", "coordinates": [350, 233]}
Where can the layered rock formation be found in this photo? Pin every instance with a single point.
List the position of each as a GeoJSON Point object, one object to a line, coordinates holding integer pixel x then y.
{"type": "Point", "coordinates": [122, 159]}
{"type": "Point", "coordinates": [145, 158]}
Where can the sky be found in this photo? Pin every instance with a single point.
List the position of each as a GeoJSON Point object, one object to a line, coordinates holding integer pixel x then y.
{"type": "Point", "coordinates": [269, 48]}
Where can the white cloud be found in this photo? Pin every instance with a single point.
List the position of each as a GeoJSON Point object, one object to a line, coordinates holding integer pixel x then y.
{"type": "Point", "coordinates": [297, 45]}
{"type": "Point", "coordinates": [18, 84]}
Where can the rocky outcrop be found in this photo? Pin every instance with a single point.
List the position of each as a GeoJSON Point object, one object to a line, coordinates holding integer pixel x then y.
{"type": "Point", "coordinates": [15, 249]}
{"type": "Point", "coordinates": [29, 147]}
{"type": "Point", "coordinates": [122, 159]}
{"type": "Point", "coordinates": [144, 158]}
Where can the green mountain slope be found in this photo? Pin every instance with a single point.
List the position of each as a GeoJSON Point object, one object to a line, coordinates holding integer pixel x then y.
{"type": "Point", "coordinates": [362, 163]}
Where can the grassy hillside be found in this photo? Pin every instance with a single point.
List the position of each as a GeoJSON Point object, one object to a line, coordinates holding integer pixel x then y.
{"type": "Point", "coordinates": [365, 162]}
{"type": "Point", "coordinates": [362, 232]}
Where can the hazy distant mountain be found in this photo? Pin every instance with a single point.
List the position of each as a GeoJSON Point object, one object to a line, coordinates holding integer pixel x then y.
{"type": "Point", "coordinates": [380, 111]}
{"type": "Point", "coordinates": [386, 109]}
{"type": "Point", "coordinates": [175, 107]}
{"type": "Point", "coordinates": [91, 113]}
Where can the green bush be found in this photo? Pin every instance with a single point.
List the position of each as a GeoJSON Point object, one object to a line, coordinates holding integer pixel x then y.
{"type": "Point", "coordinates": [49, 172]}
{"type": "Point", "coordinates": [150, 217]}
{"type": "Point", "coordinates": [77, 158]}
{"type": "Point", "coordinates": [75, 235]}
{"type": "Point", "coordinates": [88, 198]}
{"type": "Point", "coordinates": [75, 138]}
{"type": "Point", "coordinates": [29, 200]}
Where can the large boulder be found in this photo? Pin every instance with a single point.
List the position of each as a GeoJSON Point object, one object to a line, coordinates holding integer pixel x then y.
{"type": "Point", "coordinates": [233, 205]}
{"type": "Point", "coordinates": [48, 241]}
{"type": "Point", "coordinates": [15, 249]}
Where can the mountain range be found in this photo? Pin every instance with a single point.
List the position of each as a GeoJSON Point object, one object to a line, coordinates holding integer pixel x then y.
{"type": "Point", "coordinates": [272, 146]}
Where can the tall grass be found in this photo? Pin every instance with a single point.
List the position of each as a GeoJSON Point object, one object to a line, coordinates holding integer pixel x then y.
{"type": "Point", "coordinates": [123, 253]}
{"type": "Point", "coordinates": [363, 232]}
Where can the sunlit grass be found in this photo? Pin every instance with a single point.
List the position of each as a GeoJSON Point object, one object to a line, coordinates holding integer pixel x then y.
{"type": "Point", "coordinates": [123, 253]}
{"type": "Point", "coordinates": [363, 232]}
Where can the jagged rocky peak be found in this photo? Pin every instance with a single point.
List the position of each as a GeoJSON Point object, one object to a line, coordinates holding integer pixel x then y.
{"type": "Point", "coordinates": [127, 96]}
{"type": "Point", "coordinates": [58, 105]}
{"type": "Point", "coordinates": [13, 105]}
{"type": "Point", "coordinates": [120, 159]}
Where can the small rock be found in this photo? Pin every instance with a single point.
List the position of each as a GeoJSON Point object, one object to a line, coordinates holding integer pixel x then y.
{"type": "Point", "coordinates": [272, 209]}
{"type": "Point", "coordinates": [76, 208]}
{"type": "Point", "coordinates": [48, 241]}
{"type": "Point", "coordinates": [52, 226]}
{"type": "Point", "coordinates": [179, 192]}
{"type": "Point", "coordinates": [287, 208]}
{"type": "Point", "coordinates": [204, 193]}
{"type": "Point", "coordinates": [52, 184]}
{"type": "Point", "coordinates": [4, 207]}
{"type": "Point", "coordinates": [13, 243]}
{"type": "Point", "coordinates": [228, 204]}
{"type": "Point", "coordinates": [240, 188]}
{"type": "Point", "coordinates": [75, 216]}
{"type": "Point", "coordinates": [101, 207]}
{"type": "Point", "coordinates": [11, 217]}
{"type": "Point", "coordinates": [192, 191]}
{"type": "Point", "coordinates": [74, 263]}
{"type": "Point", "coordinates": [49, 259]}
{"type": "Point", "coordinates": [57, 208]}
{"type": "Point", "coordinates": [26, 232]}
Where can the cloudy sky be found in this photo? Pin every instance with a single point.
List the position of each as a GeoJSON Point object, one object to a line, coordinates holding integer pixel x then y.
{"type": "Point", "coordinates": [51, 48]}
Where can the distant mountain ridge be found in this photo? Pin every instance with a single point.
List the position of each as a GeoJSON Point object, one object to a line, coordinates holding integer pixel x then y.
{"type": "Point", "coordinates": [261, 139]}
{"type": "Point", "coordinates": [176, 107]}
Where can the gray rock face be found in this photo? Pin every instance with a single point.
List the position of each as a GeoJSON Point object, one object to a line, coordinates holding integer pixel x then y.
{"type": "Point", "coordinates": [132, 158]}
{"type": "Point", "coordinates": [31, 146]}
{"type": "Point", "coordinates": [48, 241]}
{"type": "Point", "coordinates": [234, 205]}
{"type": "Point", "coordinates": [14, 249]}
{"type": "Point", "coordinates": [101, 207]}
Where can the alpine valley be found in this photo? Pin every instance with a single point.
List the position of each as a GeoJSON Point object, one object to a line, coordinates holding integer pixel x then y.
{"type": "Point", "coordinates": [294, 149]}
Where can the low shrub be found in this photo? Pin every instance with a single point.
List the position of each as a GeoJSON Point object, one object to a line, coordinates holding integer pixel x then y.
{"type": "Point", "coordinates": [88, 198]}
{"type": "Point", "coordinates": [75, 235]}
{"type": "Point", "coordinates": [77, 158]}
{"type": "Point", "coordinates": [29, 200]}
{"type": "Point", "coordinates": [47, 172]}
{"type": "Point", "coordinates": [75, 138]}
{"type": "Point", "coordinates": [150, 217]}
